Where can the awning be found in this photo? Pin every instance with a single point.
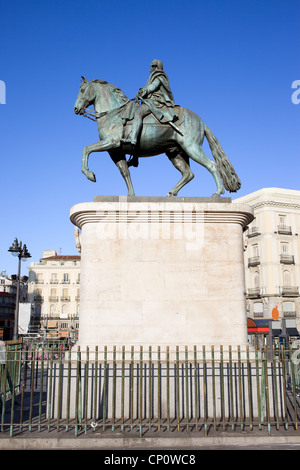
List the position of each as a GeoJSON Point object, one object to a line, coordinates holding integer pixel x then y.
{"type": "Point", "coordinates": [63, 334]}
{"type": "Point", "coordinates": [258, 326]}
{"type": "Point", "coordinates": [292, 332]}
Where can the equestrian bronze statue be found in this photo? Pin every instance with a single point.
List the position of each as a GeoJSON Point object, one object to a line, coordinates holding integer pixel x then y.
{"type": "Point", "coordinates": [149, 125]}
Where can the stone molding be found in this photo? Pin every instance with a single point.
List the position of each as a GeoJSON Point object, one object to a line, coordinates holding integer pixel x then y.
{"type": "Point", "coordinates": [160, 212]}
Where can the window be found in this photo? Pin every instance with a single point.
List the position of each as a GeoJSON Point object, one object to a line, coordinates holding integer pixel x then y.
{"type": "Point", "coordinates": [66, 277]}
{"type": "Point", "coordinates": [284, 248]}
{"type": "Point", "coordinates": [52, 310]}
{"type": "Point", "coordinates": [256, 280]}
{"type": "Point", "coordinates": [37, 293]}
{"type": "Point", "coordinates": [65, 294]}
{"type": "Point", "coordinates": [255, 250]}
{"type": "Point", "coordinates": [282, 219]}
{"type": "Point", "coordinates": [286, 278]}
{"type": "Point", "coordinates": [258, 309]}
{"type": "Point", "coordinates": [39, 278]}
{"type": "Point", "coordinates": [64, 311]}
{"type": "Point", "coordinates": [53, 279]}
{"type": "Point", "coordinates": [288, 309]}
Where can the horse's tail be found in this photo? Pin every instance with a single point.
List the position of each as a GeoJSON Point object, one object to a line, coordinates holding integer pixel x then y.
{"type": "Point", "coordinates": [230, 179]}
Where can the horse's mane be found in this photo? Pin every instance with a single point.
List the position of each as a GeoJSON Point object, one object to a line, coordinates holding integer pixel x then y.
{"type": "Point", "coordinates": [116, 91]}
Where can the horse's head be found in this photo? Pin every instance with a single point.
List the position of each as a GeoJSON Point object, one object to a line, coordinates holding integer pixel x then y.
{"type": "Point", "coordinates": [86, 96]}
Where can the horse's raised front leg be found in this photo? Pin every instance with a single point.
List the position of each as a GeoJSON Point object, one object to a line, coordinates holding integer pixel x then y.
{"type": "Point", "coordinates": [100, 146]}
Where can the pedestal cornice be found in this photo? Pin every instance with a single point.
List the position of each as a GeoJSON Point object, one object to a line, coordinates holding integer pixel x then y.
{"type": "Point", "coordinates": [114, 209]}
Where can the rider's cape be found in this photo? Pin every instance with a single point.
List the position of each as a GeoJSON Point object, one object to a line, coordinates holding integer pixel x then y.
{"type": "Point", "coordinates": [160, 101]}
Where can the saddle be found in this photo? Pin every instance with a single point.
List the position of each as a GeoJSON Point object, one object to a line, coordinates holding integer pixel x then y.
{"type": "Point", "coordinates": [149, 120]}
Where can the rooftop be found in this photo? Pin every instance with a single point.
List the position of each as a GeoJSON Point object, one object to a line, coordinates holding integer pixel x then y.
{"type": "Point", "coordinates": [62, 258]}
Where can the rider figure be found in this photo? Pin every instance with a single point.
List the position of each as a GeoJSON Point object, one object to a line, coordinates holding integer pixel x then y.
{"type": "Point", "coordinates": [157, 98]}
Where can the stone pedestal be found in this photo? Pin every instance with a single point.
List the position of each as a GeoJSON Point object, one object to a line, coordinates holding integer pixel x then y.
{"type": "Point", "coordinates": [161, 271]}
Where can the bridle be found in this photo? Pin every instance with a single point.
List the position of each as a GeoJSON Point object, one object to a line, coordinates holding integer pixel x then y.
{"type": "Point", "coordinates": [88, 113]}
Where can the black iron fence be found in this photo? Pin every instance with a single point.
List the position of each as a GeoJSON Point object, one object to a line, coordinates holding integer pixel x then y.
{"type": "Point", "coordinates": [153, 388]}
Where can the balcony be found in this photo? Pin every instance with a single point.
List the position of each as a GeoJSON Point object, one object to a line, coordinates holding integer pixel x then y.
{"type": "Point", "coordinates": [53, 299]}
{"type": "Point", "coordinates": [289, 291]}
{"type": "Point", "coordinates": [287, 259]}
{"type": "Point", "coordinates": [254, 232]}
{"type": "Point", "coordinates": [284, 229]}
{"type": "Point", "coordinates": [65, 298]}
{"type": "Point", "coordinates": [291, 314]}
{"type": "Point", "coordinates": [254, 261]}
{"type": "Point", "coordinates": [254, 293]}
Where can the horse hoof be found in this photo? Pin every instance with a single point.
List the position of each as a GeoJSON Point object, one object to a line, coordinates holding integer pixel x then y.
{"type": "Point", "coordinates": [91, 176]}
{"type": "Point", "coordinates": [170, 194]}
{"type": "Point", "coordinates": [216, 195]}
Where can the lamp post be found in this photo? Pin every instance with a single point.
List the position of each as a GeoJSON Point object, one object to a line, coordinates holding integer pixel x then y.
{"type": "Point", "coordinates": [19, 250]}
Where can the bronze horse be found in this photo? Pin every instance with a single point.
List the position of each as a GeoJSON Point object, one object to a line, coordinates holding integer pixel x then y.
{"type": "Point", "coordinates": [179, 143]}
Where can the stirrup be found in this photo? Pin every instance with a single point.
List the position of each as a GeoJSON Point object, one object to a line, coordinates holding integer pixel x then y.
{"type": "Point", "coordinates": [133, 161]}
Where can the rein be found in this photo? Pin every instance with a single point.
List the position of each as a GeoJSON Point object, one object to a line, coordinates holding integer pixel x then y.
{"type": "Point", "coordinates": [96, 116]}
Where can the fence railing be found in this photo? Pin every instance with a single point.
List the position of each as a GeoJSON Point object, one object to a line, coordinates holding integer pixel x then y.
{"type": "Point", "coordinates": [196, 389]}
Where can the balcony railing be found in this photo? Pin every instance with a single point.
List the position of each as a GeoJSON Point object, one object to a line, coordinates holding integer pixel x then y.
{"type": "Point", "coordinates": [253, 232]}
{"type": "Point", "coordinates": [287, 259]}
{"type": "Point", "coordinates": [289, 314]}
{"type": "Point", "coordinates": [53, 299]}
{"type": "Point", "coordinates": [290, 291]}
{"type": "Point", "coordinates": [284, 229]}
{"type": "Point", "coordinates": [254, 292]}
{"type": "Point", "coordinates": [254, 261]}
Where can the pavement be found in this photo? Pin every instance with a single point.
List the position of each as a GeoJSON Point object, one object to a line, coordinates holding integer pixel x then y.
{"type": "Point", "coordinates": [131, 441]}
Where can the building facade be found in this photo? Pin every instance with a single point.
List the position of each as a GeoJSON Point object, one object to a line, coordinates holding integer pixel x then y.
{"type": "Point", "coordinates": [272, 256]}
{"type": "Point", "coordinates": [54, 293]}
{"type": "Point", "coordinates": [8, 294]}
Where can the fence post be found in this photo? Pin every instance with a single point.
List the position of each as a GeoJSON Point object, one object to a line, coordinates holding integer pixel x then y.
{"type": "Point", "coordinates": [231, 388]}
{"type": "Point", "coordinates": [150, 386]}
{"type": "Point", "coordinates": [78, 393]}
{"type": "Point", "coordinates": [292, 368]}
{"type": "Point", "coordinates": [141, 390]}
{"type": "Point", "coordinates": [177, 389]}
{"type": "Point", "coordinates": [196, 387]}
{"type": "Point", "coordinates": [249, 389]}
{"type": "Point", "coordinates": [123, 388]}
{"type": "Point", "coordinates": [213, 384]}
{"type": "Point", "coordinates": [204, 390]}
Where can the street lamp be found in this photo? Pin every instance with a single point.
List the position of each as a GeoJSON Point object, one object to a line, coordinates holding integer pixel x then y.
{"type": "Point", "coordinates": [19, 250]}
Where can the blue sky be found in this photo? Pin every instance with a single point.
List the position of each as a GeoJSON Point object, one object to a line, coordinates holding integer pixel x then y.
{"type": "Point", "coordinates": [232, 62]}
